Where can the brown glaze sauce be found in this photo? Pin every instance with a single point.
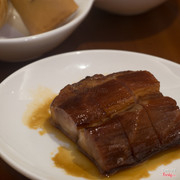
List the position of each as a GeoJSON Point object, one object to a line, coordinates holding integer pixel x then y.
{"type": "Point", "coordinates": [71, 159]}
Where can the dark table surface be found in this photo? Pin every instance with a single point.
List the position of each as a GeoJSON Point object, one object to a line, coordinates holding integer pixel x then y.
{"type": "Point", "coordinates": [156, 32]}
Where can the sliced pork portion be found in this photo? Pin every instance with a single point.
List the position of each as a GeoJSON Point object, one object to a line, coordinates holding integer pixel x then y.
{"type": "Point", "coordinates": [140, 132]}
{"type": "Point", "coordinates": [164, 115]}
{"type": "Point", "coordinates": [107, 145]}
{"type": "Point", "coordinates": [123, 141]}
{"type": "Point", "coordinates": [118, 120]}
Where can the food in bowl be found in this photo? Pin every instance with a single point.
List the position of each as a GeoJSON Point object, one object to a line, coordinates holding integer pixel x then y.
{"type": "Point", "coordinates": [38, 16]}
{"type": "Point", "coordinates": [18, 45]}
{"type": "Point", "coordinates": [118, 120]}
{"type": "Point", "coordinates": [42, 16]}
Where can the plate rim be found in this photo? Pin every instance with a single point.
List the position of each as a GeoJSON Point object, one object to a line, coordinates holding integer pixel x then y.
{"type": "Point", "coordinates": [154, 58]}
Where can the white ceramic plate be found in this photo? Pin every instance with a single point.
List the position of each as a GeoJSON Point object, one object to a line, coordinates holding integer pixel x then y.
{"type": "Point", "coordinates": [25, 149]}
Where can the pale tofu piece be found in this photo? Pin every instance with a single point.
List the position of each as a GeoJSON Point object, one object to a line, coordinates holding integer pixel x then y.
{"type": "Point", "coordinates": [43, 15]}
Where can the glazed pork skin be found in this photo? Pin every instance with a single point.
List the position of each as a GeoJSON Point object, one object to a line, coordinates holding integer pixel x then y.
{"type": "Point", "coordinates": [118, 120]}
{"type": "Point", "coordinates": [94, 99]}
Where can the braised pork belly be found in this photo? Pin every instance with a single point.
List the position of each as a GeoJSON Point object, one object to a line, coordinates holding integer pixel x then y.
{"type": "Point", "coordinates": [118, 120]}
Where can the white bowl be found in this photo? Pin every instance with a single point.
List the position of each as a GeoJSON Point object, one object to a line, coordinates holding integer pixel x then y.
{"type": "Point", "coordinates": [16, 45]}
{"type": "Point", "coordinates": [127, 7]}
